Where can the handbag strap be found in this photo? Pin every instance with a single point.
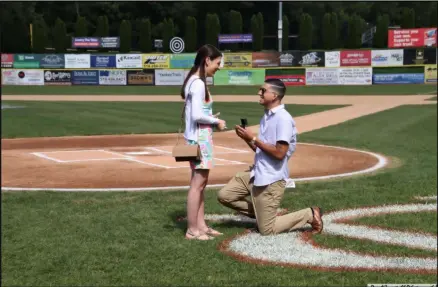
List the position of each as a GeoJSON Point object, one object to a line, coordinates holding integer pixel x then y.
{"type": "Point", "coordinates": [184, 111]}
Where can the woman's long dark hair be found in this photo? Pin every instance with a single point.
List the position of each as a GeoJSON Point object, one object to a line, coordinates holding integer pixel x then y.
{"type": "Point", "coordinates": [205, 51]}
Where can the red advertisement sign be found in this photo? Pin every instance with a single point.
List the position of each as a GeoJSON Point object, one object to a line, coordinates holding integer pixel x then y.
{"type": "Point", "coordinates": [356, 58]}
{"type": "Point", "coordinates": [7, 60]}
{"type": "Point", "coordinates": [290, 80]}
{"type": "Point", "coordinates": [421, 37]}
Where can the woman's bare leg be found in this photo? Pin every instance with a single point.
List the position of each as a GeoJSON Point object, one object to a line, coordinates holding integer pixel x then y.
{"type": "Point", "coordinates": [202, 225]}
{"type": "Point", "coordinates": [194, 201]}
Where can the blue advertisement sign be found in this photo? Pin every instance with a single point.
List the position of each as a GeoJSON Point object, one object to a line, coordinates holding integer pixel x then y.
{"type": "Point", "coordinates": [52, 61]}
{"type": "Point", "coordinates": [235, 38]}
{"type": "Point", "coordinates": [85, 77]}
{"type": "Point", "coordinates": [411, 78]}
{"type": "Point", "coordinates": [182, 61]}
{"type": "Point", "coordinates": [102, 61]}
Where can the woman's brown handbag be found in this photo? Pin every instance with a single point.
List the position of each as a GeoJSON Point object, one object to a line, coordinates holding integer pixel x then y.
{"type": "Point", "coordinates": [185, 152]}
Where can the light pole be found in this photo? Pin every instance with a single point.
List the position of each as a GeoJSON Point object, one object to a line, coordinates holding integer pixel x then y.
{"type": "Point", "coordinates": [280, 25]}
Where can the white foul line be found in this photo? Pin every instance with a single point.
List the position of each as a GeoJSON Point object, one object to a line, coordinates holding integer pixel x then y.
{"type": "Point", "coordinates": [46, 157]}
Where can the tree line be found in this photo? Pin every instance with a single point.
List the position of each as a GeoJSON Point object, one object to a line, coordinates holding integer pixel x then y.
{"type": "Point", "coordinates": [336, 25]}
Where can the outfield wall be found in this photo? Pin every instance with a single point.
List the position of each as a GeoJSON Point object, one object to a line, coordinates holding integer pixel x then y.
{"type": "Point", "coordinates": [295, 68]}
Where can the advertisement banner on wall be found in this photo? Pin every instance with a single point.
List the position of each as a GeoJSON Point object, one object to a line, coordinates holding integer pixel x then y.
{"type": "Point", "coordinates": [411, 78]}
{"type": "Point", "coordinates": [169, 77]}
{"type": "Point", "coordinates": [404, 38]}
{"type": "Point", "coordinates": [103, 61]}
{"type": "Point", "coordinates": [124, 61]}
{"type": "Point", "coordinates": [430, 75]}
{"type": "Point", "coordinates": [290, 80]}
{"type": "Point", "coordinates": [77, 61]}
{"type": "Point", "coordinates": [387, 58]}
{"type": "Point", "coordinates": [356, 58]}
{"type": "Point", "coordinates": [209, 80]}
{"type": "Point", "coordinates": [302, 59]}
{"type": "Point", "coordinates": [112, 77]}
{"type": "Point", "coordinates": [156, 61]}
{"type": "Point", "coordinates": [237, 60]}
{"type": "Point", "coordinates": [57, 77]}
{"type": "Point", "coordinates": [322, 76]}
{"type": "Point", "coordinates": [54, 61]}
{"type": "Point", "coordinates": [333, 59]}
{"type": "Point", "coordinates": [27, 60]}
{"type": "Point", "coordinates": [182, 61]}
{"type": "Point", "coordinates": [7, 60]}
{"type": "Point", "coordinates": [419, 56]}
{"type": "Point", "coordinates": [141, 78]}
{"type": "Point", "coordinates": [239, 77]}
{"type": "Point", "coordinates": [85, 77]}
{"type": "Point", "coordinates": [23, 77]}
{"type": "Point", "coordinates": [265, 59]}
{"type": "Point", "coordinates": [355, 76]}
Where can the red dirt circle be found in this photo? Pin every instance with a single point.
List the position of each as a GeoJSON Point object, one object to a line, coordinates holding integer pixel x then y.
{"type": "Point", "coordinates": [144, 161]}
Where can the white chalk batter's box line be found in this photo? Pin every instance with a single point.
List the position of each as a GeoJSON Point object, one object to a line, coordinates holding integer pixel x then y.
{"type": "Point", "coordinates": [128, 157]}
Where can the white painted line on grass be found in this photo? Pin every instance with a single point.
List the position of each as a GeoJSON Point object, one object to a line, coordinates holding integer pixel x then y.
{"type": "Point", "coordinates": [46, 157]}
{"type": "Point", "coordinates": [380, 164]}
{"type": "Point", "coordinates": [130, 158]}
{"type": "Point", "coordinates": [232, 149]}
{"type": "Point", "coordinates": [80, 150]}
{"type": "Point", "coordinates": [137, 153]}
{"type": "Point", "coordinates": [93, 159]}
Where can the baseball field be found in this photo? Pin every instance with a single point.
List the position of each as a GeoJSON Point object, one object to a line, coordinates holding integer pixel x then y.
{"type": "Point", "coordinates": [92, 196]}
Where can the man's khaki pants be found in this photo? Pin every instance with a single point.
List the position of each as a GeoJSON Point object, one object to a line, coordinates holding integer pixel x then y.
{"type": "Point", "coordinates": [262, 205]}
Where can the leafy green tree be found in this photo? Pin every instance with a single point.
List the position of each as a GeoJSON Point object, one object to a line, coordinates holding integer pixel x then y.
{"type": "Point", "coordinates": [102, 29]}
{"type": "Point", "coordinates": [81, 28]}
{"type": "Point", "coordinates": [261, 30]}
{"type": "Point", "coordinates": [235, 26]}
{"type": "Point", "coordinates": [327, 31]}
{"type": "Point", "coordinates": [59, 36]}
{"type": "Point", "coordinates": [408, 18]}
{"type": "Point", "coordinates": [285, 40]}
{"type": "Point", "coordinates": [190, 37]}
{"type": "Point", "coordinates": [125, 36]}
{"type": "Point", "coordinates": [39, 34]}
{"type": "Point", "coordinates": [305, 32]}
{"type": "Point", "coordinates": [145, 37]}
{"type": "Point", "coordinates": [254, 31]}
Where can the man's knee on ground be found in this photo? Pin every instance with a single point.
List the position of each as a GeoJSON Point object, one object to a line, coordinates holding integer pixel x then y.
{"type": "Point", "coordinates": [223, 195]}
{"type": "Point", "coordinates": [266, 231]}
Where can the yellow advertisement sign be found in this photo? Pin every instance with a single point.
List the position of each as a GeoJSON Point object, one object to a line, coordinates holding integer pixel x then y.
{"type": "Point", "coordinates": [237, 60]}
{"type": "Point", "coordinates": [430, 74]}
{"type": "Point", "coordinates": [154, 61]}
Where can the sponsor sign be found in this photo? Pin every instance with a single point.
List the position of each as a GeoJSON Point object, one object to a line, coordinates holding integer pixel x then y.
{"type": "Point", "coordinates": [169, 77]}
{"type": "Point", "coordinates": [110, 42]}
{"type": "Point", "coordinates": [141, 78]}
{"type": "Point", "coordinates": [112, 77]}
{"type": "Point", "coordinates": [23, 77]}
{"type": "Point", "coordinates": [322, 76]}
{"type": "Point", "coordinates": [182, 61]}
{"type": "Point", "coordinates": [235, 38]}
{"type": "Point", "coordinates": [356, 58]}
{"type": "Point", "coordinates": [129, 61]}
{"type": "Point", "coordinates": [411, 78]}
{"type": "Point", "coordinates": [239, 77]}
{"type": "Point", "coordinates": [355, 76]}
{"type": "Point", "coordinates": [85, 77]}
{"type": "Point", "coordinates": [95, 42]}
{"type": "Point", "coordinates": [290, 80]}
{"type": "Point", "coordinates": [403, 38]}
{"type": "Point", "coordinates": [27, 61]}
{"type": "Point", "coordinates": [265, 59]}
{"type": "Point", "coordinates": [154, 61]}
{"type": "Point", "coordinates": [419, 56]}
{"type": "Point", "coordinates": [237, 60]}
{"type": "Point", "coordinates": [7, 60]}
{"type": "Point", "coordinates": [77, 61]}
{"type": "Point", "coordinates": [387, 58]}
{"type": "Point", "coordinates": [57, 77]}
{"type": "Point", "coordinates": [302, 59]}
{"type": "Point", "coordinates": [103, 61]}
{"type": "Point", "coordinates": [430, 74]}
{"type": "Point", "coordinates": [209, 80]}
{"type": "Point", "coordinates": [52, 61]}
{"type": "Point", "coordinates": [333, 59]}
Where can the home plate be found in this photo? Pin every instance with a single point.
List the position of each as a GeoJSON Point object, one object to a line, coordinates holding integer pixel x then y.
{"type": "Point", "coordinates": [137, 152]}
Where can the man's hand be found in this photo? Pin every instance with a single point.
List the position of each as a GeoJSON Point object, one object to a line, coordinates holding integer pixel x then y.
{"type": "Point", "coordinates": [245, 134]}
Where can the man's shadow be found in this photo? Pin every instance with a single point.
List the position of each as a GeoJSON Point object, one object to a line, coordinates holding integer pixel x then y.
{"type": "Point", "coordinates": [178, 217]}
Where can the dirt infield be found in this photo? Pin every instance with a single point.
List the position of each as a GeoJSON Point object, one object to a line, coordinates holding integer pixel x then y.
{"type": "Point", "coordinates": [143, 161]}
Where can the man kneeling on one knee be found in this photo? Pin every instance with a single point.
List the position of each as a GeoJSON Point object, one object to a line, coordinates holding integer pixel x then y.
{"type": "Point", "coordinates": [265, 182]}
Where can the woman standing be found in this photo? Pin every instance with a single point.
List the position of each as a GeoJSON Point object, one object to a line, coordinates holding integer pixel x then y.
{"type": "Point", "coordinates": [199, 123]}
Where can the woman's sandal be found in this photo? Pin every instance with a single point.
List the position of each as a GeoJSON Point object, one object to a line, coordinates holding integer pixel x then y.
{"type": "Point", "coordinates": [201, 237]}
{"type": "Point", "coordinates": [212, 232]}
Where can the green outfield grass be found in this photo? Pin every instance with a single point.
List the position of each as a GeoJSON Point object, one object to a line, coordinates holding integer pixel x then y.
{"type": "Point", "coordinates": [122, 239]}
{"type": "Point", "coordinates": [39, 119]}
{"type": "Point", "coordinates": [218, 90]}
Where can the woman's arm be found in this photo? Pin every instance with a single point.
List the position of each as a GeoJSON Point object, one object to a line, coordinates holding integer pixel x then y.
{"type": "Point", "coordinates": [197, 91]}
